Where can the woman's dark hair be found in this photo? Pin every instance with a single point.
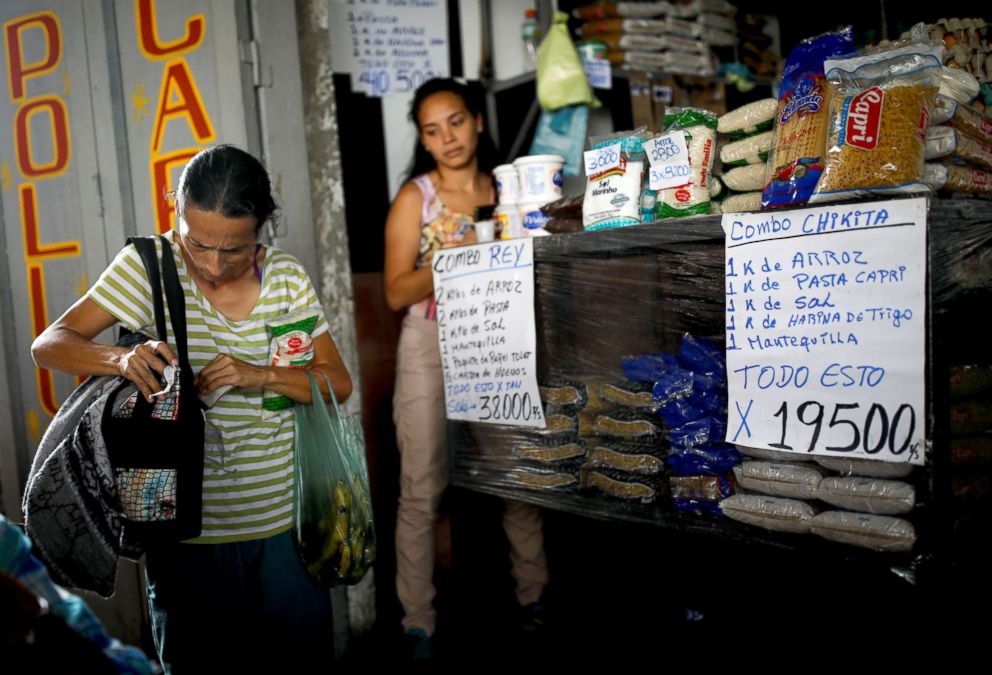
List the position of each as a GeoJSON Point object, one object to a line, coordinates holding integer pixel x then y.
{"type": "Point", "coordinates": [485, 153]}
{"type": "Point", "coordinates": [227, 180]}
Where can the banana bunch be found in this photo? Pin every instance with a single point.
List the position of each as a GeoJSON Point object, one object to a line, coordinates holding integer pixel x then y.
{"type": "Point", "coordinates": [343, 547]}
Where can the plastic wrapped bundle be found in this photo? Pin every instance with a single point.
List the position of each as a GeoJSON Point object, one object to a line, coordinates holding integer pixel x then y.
{"type": "Point", "coordinates": [774, 455]}
{"type": "Point", "coordinates": [745, 202]}
{"type": "Point", "coordinates": [771, 513]}
{"type": "Point", "coordinates": [699, 432]}
{"type": "Point", "coordinates": [976, 451]}
{"type": "Point", "coordinates": [753, 118]}
{"type": "Point", "coordinates": [957, 178]}
{"type": "Point", "coordinates": [868, 495]}
{"type": "Point", "coordinates": [971, 380]}
{"type": "Point", "coordinates": [551, 454]}
{"type": "Point", "coordinates": [949, 142]}
{"type": "Point", "coordinates": [971, 417]}
{"type": "Point", "coordinates": [779, 480]}
{"type": "Point", "coordinates": [958, 85]}
{"type": "Point", "coordinates": [700, 494]}
{"type": "Point", "coordinates": [749, 178]}
{"type": "Point", "coordinates": [625, 425]}
{"type": "Point", "coordinates": [962, 117]}
{"type": "Point", "coordinates": [879, 533]}
{"type": "Point", "coordinates": [870, 468]}
{"type": "Point", "coordinates": [750, 150]}
{"type": "Point", "coordinates": [636, 395]}
{"type": "Point", "coordinates": [639, 459]}
{"type": "Point", "coordinates": [544, 480]}
{"type": "Point", "coordinates": [716, 459]}
{"type": "Point", "coordinates": [621, 485]}
{"type": "Point", "coordinates": [564, 394]}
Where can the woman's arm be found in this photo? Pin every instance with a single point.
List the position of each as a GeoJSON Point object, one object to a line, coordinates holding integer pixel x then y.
{"type": "Point", "coordinates": [67, 346]}
{"type": "Point", "coordinates": [292, 382]}
{"type": "Point", "coordinates": [405, 284]}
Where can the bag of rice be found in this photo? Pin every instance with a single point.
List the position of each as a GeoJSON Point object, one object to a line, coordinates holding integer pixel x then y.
{"type": "Point", "coordinates": [742, 203]}
{"type": "Point", "coordinates": [871, 468]}
{"type": "Point", "coordinates": [290, 346]}
{"type": "Point", "coordinates": [867, 495]}
{"type": "Point", "coordinates": [745, 178]}
{"type": "Point", "coordinates": [771, 513]}
{"type": "Point", "coordinates": [879, 115]}
{"type": "Point", "coordinates": [749, 119]}
{"type": "Point", "coordinates": [880, 533]}
{"type": "Point", "coordinates": [693, 198]}
{"type": "Point", "coordinates": [774, 455]}
{"type": "Point", "coordinates": [750, 150]}
{"type": "Point", "coordinates": [779, 480]}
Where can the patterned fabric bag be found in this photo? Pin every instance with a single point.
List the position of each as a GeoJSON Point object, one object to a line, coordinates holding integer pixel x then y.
{"type": "Point", "coordinates": [156, 449]}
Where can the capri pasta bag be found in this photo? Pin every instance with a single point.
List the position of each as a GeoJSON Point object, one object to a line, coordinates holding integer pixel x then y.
{"type": "Point", "coordinates": [879, 115]}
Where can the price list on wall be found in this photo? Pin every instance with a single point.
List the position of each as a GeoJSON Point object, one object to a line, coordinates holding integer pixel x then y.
{"type": "Point", "coordinates": [826, 329]}
{"type": "Point", "coordinates": [486, 332]}
{"type": "Point", "coordinates": [389, 46]}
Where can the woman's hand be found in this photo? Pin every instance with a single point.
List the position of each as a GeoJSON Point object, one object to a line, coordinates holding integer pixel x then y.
{"type": "Point", "coordinates": [145, 364]}
{"type": "Point", "coordinates": [227, 371]}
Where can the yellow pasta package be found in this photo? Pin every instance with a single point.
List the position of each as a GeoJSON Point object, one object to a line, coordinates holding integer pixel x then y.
{"type": "Point", "coordinates": [879, 116]}
{"type": "Point", "coordinates": [796, 160]}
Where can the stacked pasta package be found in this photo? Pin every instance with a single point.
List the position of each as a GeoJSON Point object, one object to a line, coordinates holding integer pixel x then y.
{"type": "Point", "coordinates": [796, 147]}
{"type": "Point", "coordinates": [623, 434]}
{"type": "Point", "coordinates": [853, 501]}
{"type": "Point", "coordinates": [880, 108]}
{"type": "Point", "coordinates": [671, 37]}
{"type": "Point", "coordinates": [547, 459]}
{"type": "Point", "coordinates": [959, 142]}
{"type": "Point", "coordinates": [746, 141]}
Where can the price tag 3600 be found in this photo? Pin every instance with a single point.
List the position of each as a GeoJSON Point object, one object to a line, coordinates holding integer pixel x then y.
{"type": "Point", "coordinates": [668, 156]}
{"type": "Point", "coordinates": [602, 159]}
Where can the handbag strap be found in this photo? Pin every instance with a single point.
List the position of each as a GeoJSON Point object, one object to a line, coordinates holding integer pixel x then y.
{"type": "Point", "coordinates": [146, 249]}
{"type": "Point", "coordinates": [173, 291]}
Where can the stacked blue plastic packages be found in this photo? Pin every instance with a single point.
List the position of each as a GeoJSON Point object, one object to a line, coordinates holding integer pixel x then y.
{"type": "Point", "coordinates": [690, 389]}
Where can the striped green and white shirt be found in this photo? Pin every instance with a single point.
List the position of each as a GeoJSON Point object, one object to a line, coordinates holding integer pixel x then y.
{"type": "Point", "coordinates": [247, 479]}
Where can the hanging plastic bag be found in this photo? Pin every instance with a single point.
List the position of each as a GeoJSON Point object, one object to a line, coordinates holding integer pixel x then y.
{"type": "Point", "coordinates": [332, 509]}
{"type": "Point", "coordinates": [561, 79]}
{"type": "Point", "coordinates": [561, 133]}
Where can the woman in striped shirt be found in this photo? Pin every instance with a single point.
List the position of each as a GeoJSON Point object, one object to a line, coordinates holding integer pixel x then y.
{"type": "Point", "coordinates": [238, 592]}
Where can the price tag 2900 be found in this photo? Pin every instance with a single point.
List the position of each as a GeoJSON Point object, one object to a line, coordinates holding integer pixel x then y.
{"type": "Point", "coordinates": [602, 159]}
{"type": "Point", "coordinates": [668, 156]}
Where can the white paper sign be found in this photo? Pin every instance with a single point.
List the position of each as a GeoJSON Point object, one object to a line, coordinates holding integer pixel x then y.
{"type": "Point", "coordinates": [599, 72]}
{"type": "Point", "coordinates": [826, 330]}
{"type": "Point", "coordinates": [389, 46]}
{"type": "Point", "coordinates": [486, 332]}
{"type": "Point", "coordinates": [602, 159]}
{"type": "Point", "coordinates": [668, 157]}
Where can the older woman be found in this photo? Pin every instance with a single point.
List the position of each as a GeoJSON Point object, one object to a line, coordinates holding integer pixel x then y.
{"type": "Point", "coordinates": [237, 594]}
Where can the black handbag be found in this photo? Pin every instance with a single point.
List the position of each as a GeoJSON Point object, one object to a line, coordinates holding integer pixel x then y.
{"type": "Point", "coordinates": [156, 449]}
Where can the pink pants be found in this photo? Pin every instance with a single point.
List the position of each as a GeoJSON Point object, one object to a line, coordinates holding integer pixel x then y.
{"type": "Point", "coordinates": [418, 411]}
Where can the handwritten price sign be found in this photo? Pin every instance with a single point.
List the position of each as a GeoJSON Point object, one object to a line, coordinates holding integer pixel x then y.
{"type": "Point", "coordinates": [668, 156]}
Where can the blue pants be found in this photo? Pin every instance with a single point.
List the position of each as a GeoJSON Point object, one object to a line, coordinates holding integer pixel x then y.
{"type": "Point", "coordinates": [236, 607]}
